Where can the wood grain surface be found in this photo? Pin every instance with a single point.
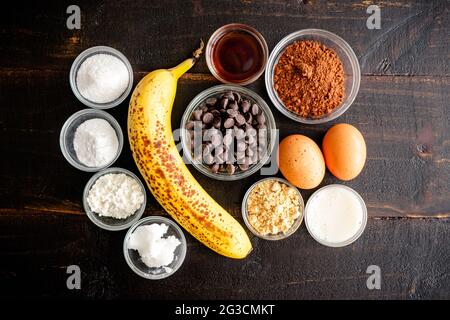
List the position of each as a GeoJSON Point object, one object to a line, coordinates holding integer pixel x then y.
{"type": "Point", "coordinates": [402, 109]}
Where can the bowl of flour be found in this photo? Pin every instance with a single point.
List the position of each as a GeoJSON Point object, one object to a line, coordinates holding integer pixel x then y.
{"type": "Point", "coordinates": [101, 77]}
{"type": "Point", "coordinates": [114, 199]}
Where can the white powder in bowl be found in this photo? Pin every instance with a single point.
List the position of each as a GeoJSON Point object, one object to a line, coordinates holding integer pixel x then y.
{"type": "Point", "coordinates": [102, 78]}
{"type": "Point", "coordinates": [95, 143]}
{"type": "Point", "coordinates": [115, 195]}
{"type": "Point", "coordinates": [155, 251]}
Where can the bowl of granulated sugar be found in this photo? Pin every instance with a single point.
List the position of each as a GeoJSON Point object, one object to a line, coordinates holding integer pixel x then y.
{"type": "Point", "coordinates": [101, 77]}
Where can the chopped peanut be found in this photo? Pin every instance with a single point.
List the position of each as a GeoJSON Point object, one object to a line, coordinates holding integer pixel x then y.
{"type": "Point", "coordinates": [273, 207]}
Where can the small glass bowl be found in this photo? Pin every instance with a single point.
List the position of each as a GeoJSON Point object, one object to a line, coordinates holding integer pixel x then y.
{"type": "Point", "coordinates": [67, 134]}
{"type": "Point", "coordinates": [349, 60]}
{"type": "Point", "coordinates": [219, 33]}
{"type": "Point", "coordinates": [212, 92]}
{"type": "Point", "coordinates": [357, 234]}
{"type": "Point", "coordinates": [109, 223]}
{"type": "Point", "coordinates": [278, 236]}
{"type": "Point", "coordinates": [88, 53]}
{"type": "Point", "coordinates": [134, 260]}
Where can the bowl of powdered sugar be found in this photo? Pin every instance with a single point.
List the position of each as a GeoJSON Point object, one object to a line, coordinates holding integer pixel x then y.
{"type": "Point", "coordinates": [114, 199]}
{"type": "Point", "coordinates": [91, 140]}
{"type": "Point", "coordinates": [101, 77]}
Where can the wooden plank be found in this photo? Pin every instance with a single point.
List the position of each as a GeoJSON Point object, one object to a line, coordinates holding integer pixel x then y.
{"type": "Point", "coordinates": [404, 120]}
{"type": "Point", "coordinates": [413, 39]}
{"type": "Point", "coordinates": [36, 249]}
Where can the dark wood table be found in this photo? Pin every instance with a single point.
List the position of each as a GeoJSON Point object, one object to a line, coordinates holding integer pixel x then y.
{"type": "Point", "coordinates": [402, 109]}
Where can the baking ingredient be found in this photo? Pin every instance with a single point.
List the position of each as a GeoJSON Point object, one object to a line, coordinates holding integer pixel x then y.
{"type": "Point", "coordinates": [309, 79]}
{"type": "Point", "coordinates": [301, 161]}
{"type": "Point", "coordinates": [273, 207]}
{"type": "Point", "coordinates": [95, 143]}
{"type": "Point", "coordinates": [344, 150]}
{"type": "Point", "coordinates": [155, 250]}
{"type": "Point", "coordinates": [334, 214]}
{"type": "Point", "coordinates": [231, 133]}
{"type": "Point", "coordinates": [237, 56]}
{"type": "Point", "coordinates": [102, 78]}
{"type": "Point", "coordinates": [170, 181]}
{"type": "Point", "coordinates": [115, 195]}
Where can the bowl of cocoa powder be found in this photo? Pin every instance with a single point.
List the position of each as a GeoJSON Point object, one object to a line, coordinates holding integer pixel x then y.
{"type": "Point", "coordinates": [312, 76]}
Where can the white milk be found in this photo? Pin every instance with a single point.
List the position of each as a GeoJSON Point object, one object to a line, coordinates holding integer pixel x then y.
{"type": "Point", "coordinates": [335, 214]}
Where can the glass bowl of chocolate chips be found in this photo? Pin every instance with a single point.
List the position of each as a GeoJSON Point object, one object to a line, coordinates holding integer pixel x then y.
{"type": "Point", "coordinates": [228, 132]}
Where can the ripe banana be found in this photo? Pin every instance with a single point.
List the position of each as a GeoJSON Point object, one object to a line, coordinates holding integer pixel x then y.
{"type": "Point", "coordinates": [169, 180]}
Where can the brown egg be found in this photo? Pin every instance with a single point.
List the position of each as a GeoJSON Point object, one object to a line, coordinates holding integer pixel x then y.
{"type": "Point", "coordinates": [301, 161]}
{"type": "Point", "coordinates": [344, 150]}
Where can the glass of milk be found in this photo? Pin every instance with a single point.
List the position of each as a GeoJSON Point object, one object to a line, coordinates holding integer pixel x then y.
{"type": "Point", "coordinates": [335, 215]}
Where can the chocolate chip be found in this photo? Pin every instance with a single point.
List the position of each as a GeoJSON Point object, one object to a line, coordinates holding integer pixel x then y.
{"type": "Point", "coordinates": [215, 113]}
{"type": "Point", "coordinates": [208, 118]}
{"type": "Point", "coordinates": [197, 115]}
{"type": "Point", "coordinates": [245, 105]}
{"type": "Point", "coordinates": [215, 168]}
{"type": "Point", "coordinates": [261, 118]}
{"type": "Point", "coordinates": [229, 123]}
{"type": "Point", "coordinates": [216, 139]}
{"type": "Point", "coordinates": [223, 103]}
{"type": "Point", "coordinates": [208, 159]}
{"type": "Point", "coordinates": [233, 106]}
{"type": "Point", "coordinates": [255, 109]}
{"type": "Point", "coordinates": [239, 133]}
{"type": "Point", "coordinates": [240, 120]}
{"type": "Point", "coordinates": [232, 113]}
{"type": "Point", "coordinates": [228, 139]}
{"type": "Point", "coordinates": [250, 131]}
{"type": "Point", "coordinates": [211, 101]}
{"type": "Point", "coordinates": [241, 146]}
{"type": "Point", "coordinates": [250, 139]}
{"type": "Point", "coordinates": [229, 95]}
{"type": "Point", "coordinates": [230, 169]}
{"type": "Point", "coordinates": [243, 166]}
{"type": "Point", "coordinates": [190, 125]}
{"type": "Point", "coordinates": [248, 118]}
{"type": "Point", "coordinates": [217, 123]}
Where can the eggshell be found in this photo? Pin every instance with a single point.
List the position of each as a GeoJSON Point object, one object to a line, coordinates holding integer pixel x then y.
{"type": "Point", "coordinates": [301, 161]}
{"type": "Point", "coordinates": [344, 150]}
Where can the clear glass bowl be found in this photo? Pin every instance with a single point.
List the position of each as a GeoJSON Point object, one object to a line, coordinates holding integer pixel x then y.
{"type": "Point", "coordinates": [109, 223]}
{"type": "Point", "coordinates": [219, 33]}
{"type": "Point", "coordinates": [357, 234]}
{"type": "Point", "coordinates": [213, 92]}
{"type": "Point", "coordinates": [349, 60]}
{"type": "Point", "coordinates": [67, 134]}
{"type": "Point", "coordinates": [134, 260]}
{"type": "Point", "coordinates": [88, 53]}
{"type": "Point", "coordinates": [278, 236]}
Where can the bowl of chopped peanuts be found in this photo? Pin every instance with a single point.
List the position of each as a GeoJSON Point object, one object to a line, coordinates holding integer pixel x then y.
{"type": "Point", "coordinates": [273, 209]}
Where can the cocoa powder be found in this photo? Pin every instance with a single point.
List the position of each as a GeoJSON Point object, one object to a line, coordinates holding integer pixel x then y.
{"type": "Point", "coordinates": [309, 79]}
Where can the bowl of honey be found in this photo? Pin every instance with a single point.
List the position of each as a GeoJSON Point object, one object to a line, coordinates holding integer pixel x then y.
{"type": "Point", "coordinates": [237, 54]}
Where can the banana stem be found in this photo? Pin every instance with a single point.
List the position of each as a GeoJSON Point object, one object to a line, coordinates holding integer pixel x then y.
{"type": "Point", "coordinates": [181, 69]}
